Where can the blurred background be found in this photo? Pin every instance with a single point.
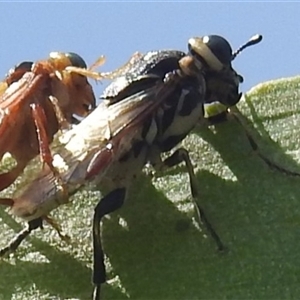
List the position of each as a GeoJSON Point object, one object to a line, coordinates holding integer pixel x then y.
{"type": "Point", "coordinates": [30, 31]}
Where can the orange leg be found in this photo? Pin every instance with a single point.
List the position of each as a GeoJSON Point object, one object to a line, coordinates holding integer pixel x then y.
{"type": "Point", "coordinates": [45, 152]}
{"type": "Point", "coordinates": [57, 227]}
{"type": "Point", "coordinates": [39, 117]}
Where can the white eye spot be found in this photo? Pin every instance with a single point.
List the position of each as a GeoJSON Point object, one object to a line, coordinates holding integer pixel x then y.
{"type": "Point", "coordinates": [205, 39]}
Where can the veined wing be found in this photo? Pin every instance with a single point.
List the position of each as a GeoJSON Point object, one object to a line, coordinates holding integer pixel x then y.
{"type": "Point", "coordinates": [92, 147]}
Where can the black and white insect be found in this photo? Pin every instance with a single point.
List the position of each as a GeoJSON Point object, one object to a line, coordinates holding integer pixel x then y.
{"type": "Point", "coordinates": [150, 108]}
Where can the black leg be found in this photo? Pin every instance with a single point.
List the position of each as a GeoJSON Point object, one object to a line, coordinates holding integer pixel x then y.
{"type": "Point", "coordinates": [236, 115]}
{"type": "Point", "coordinates": [106, 205]}
{"type": "Point", "coordinates": [182, 155]}
{"type": "Point", "coordinates": [14, 244]}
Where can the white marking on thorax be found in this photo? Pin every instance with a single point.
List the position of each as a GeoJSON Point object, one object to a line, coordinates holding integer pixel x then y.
{"type": "Point", "coordinates": [183, 124]}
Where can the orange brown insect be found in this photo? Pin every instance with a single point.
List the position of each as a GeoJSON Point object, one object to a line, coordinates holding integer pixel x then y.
{"type": "Point", "coordinates": [36, 100]}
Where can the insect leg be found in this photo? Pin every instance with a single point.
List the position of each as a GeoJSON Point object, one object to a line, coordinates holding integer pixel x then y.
{"type": "Point", "coordinates": [235, 113]}
{"type": "Point", "coordinates": [46, 156]}
{"type": "Point", "coordinates": [57, 227]}
{"type": "Point", "coordinates": [106, 205]}
{"type": "Point", "coordinates": [182, 155]}
{"type": "Point", "coordinates": [40, 123]}
{"type": "Point", "coordinates": [63, 123]}
{"type": "Point", "coordinates": [14, 244]}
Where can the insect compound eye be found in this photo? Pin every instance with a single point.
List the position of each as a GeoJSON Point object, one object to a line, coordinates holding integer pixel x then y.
{"type": "Point", "coordinates": [76, 60]}
{"type": "Point", "coordinates": [214, 50]}
{"type": "Point", "coordinates": [61, 60]}
{"type": "Point", "coordinates": [24, 66]}
{"type": "Point", "coordinates": [219, 47]}
{"type": "Point", "coordinates": [17, 72]}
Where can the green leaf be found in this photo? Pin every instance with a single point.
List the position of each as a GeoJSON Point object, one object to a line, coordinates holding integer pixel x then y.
{"type": "Point", "coordinates": [154, 250]}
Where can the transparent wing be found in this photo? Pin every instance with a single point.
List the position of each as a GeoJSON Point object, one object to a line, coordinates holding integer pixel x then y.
{"type": "Point", "coordinates": [93, 146]}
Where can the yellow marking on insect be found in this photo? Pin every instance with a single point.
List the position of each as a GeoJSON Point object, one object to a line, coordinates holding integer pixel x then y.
{"type": "Point", "coordinates": [213, 109]}
{"type": "Point", "coordinates": [199, 45]}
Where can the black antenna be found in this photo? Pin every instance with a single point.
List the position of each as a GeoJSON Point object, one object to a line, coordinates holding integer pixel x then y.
{"type": "Point", "coordinates": [253, 41]}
